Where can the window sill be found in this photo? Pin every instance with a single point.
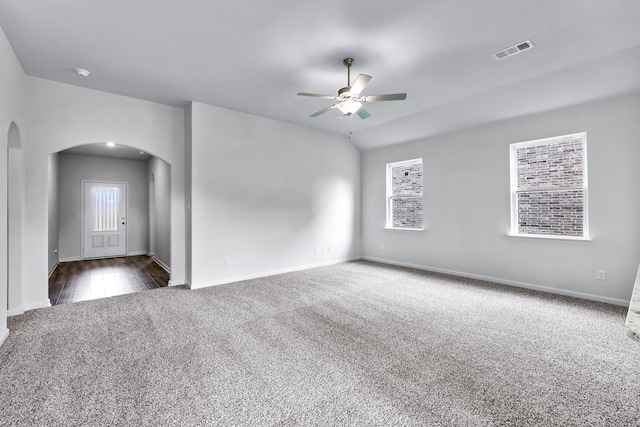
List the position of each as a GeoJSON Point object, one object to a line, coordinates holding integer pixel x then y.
{"type": "Point", "coordinates": [404, 229]}
{"type": "Point", "coordinates": [579, 240]}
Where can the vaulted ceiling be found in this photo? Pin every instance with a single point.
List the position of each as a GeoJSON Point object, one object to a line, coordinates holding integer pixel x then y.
{"type": "Point", "coordinates": [254, 56]}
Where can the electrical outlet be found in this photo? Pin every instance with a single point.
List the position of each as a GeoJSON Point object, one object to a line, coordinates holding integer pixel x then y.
{"type": "Point", "coordinates": [316, 251]}
{"type": "Point", "coordinates": [381, 247]}
{"type": "Point", "coordinates": [601, 275]}
{"type": "Point", "coordinates": [227, 262]}
{"type": "Point", "coordinates": [329, 248]}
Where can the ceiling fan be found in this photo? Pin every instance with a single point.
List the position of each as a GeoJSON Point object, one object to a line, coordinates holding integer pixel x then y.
{"type": "Point", "coordinates": [350, 96]}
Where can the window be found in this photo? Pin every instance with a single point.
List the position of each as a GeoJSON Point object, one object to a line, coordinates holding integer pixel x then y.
{"type": "Point", "coordinates": [404, 195]}
{"type": "Point", "coordinates": [105, 209]}
{"type": "Point", "coordinates": [549, 187]}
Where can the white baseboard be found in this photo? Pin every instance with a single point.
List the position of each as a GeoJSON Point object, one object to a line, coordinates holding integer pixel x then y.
{"type": "Point", "coordinates": [3, 336]}
{"type": "Point", "coordinates": [268, 273]}
{"type": "Point", "coordinates": [79, 258]}
{"type": "Point", "coordinates": [558, 291]}
{"type": "Point", "coordinates": [136, 253]}
{"type": "Point", "coordinates": [53, 269]}
{"type": "Point", "coordinates": [164, 266]}
{"type": "Point", "coordinates": [42, 304]}
{"type": "Point", "coordinates": [70, 259]}
{"type": "Point", "coordinates": [15, 311]}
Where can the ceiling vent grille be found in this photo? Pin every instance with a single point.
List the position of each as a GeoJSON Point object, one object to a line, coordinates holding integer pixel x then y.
{"type": "Point", "coordinates": [513, 50]}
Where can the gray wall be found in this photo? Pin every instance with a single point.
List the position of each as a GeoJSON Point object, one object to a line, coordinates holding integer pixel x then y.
{"type": "Point", "coordinates": [15, 210]}
{"type": "Point", "coordinates": [72, 170]}
{"type": "Point", "coordinates": [265, 194]}
{"type": "Point", "coordinates": [188, 124]}
{"type": "Point", "coordinates": [12, 111]}
{"type": "Point", "coordinates": [159, 176]}
{"type": "Point", "coordinates": [53, 211]}
{"type": "Point", "coordinates": [467, 204]}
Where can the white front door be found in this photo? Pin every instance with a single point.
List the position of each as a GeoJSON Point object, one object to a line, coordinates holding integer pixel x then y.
{"type": "Point", "coordinates": [105, 219]}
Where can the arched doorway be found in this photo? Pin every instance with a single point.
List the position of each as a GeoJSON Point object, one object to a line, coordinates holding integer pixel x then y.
{"type": "Point", "coordinates": [103, 165]}
{"type": "Point", "coordinates": [15, 209]}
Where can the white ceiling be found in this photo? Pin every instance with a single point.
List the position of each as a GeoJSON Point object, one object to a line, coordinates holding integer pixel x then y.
{"type": "Point", "coordinates": [254, 56]}
{"type": "Point", "coordinates": [100, 149]}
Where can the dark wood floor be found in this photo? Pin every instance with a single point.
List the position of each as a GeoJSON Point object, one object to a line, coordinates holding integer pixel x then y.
{"type": "Point", "coordinates": [84, 280]}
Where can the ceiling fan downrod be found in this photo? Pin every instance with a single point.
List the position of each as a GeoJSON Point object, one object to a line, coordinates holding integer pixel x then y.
{"type": "Point", "coordinates": [348, 62]}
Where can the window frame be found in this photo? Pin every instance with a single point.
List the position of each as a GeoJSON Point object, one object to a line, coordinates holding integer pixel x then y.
{"type": "Point", "coordinates": [514, 187]}
{"type": "Point", "coordinates": [389, 196]}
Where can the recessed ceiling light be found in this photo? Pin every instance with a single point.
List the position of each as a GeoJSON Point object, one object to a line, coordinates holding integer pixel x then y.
{"type": "Point", "coordinates": [111, 144]}
{"type": "Point", "coordinates": [142, 153]}
{"type": "Point", "coordinates": [81, 72]}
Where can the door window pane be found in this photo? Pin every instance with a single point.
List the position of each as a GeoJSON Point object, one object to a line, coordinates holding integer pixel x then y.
{"type": "Point", "coordinates": [106, 202]}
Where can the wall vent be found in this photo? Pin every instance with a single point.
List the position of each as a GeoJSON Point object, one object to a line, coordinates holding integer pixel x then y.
{"type": "Point", "coordinates": [513, 50]}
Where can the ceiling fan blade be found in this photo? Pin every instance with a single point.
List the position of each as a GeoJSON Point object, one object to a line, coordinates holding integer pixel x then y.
{"type": "Point", "coordinates": [324, 110]}
{"type": "Point", "coordinates": [359, 84]}
{"type": "Point", "coordinates": [364, 114]}
{"type": "Point", "coordinates": [387, 97]}
{"type": "Point", "coordinates": [317, 95]}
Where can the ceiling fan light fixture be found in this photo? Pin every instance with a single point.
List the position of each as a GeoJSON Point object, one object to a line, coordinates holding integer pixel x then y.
{"type": "Point", "coordinates": [349, 107]}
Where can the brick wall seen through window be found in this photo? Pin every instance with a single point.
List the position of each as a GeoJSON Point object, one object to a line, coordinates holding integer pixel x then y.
{"type": "Point", "coordinates": [549, 187]}
{"type": "Point", "coordinates": [404, 194]}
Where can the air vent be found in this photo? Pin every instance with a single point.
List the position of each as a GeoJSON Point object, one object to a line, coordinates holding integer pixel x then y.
{"type": "Point", "coordinates": [513, 50]}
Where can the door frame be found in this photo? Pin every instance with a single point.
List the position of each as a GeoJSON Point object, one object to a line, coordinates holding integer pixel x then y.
{"type": "Point", "coordinates": [83, 213]}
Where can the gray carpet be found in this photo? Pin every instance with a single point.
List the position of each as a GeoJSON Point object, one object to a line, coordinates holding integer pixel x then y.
{"type": "Point", "coordinates": [357, 344]}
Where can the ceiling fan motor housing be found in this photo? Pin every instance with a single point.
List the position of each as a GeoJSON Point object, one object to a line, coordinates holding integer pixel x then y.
{"type": "Point", "coordinates": [345, 92]}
